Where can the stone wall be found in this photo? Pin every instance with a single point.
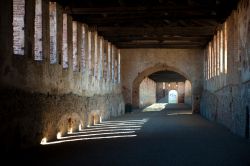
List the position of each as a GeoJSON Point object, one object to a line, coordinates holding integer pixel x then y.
{"type": "Point", "coordinates": [160, 92]}
{"type": "Point", "coordinates": [228, 106]}
{"type": "Point", "coordinates": [187, 62]}
{"type": "Point", "coordinates": [28, 117]}
{"type": "Point", "coordinates": [226, 96]}
{"type": "Point", "coordinates": [147, 92]}
{"type": "Point", "coordinates": [40, 97]}
{"type": "Point", "coordinates": [188, 93]}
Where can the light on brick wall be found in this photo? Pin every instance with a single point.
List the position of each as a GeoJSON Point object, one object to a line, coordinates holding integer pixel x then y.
{"type": "Point", "coordinates": [59, 135]}
{"type": "Point", "coordinates": [70, 130]}
{"type": "Point", "coordinates": [104, 130]}
{"type": "Point", "coordinates": [80, 127]}
{"type": "Point", "coordinates": [44, 141]}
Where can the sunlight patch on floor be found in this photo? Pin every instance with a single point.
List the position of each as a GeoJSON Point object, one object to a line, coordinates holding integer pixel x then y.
{"type": "Point", "coordinates": [155, 107]}
{"type": "Point", "coordinates": [84, 139]}
{"type": "Point", "coordinates": [103, 130]}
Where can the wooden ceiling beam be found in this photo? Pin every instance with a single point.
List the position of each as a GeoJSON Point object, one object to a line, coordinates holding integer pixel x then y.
{"type": "Point", "coordinates": [182, 31]}
{"type": "Point", "coordinates": [150, 23]}
{"type": "Point", "coordinates": [143, 45]}
{"type": "Point", "coordinates": [161, 42]}
{"type": "Point", "coordinates": [97, 20]}
{"type": "Point", "coordinates": [141, 9]}
{"type": "Point", "coordinates": [160, 38]}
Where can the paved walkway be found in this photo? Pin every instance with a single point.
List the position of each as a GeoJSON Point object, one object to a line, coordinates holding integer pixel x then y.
{"type": "Point", "coordinates": [171, 137]}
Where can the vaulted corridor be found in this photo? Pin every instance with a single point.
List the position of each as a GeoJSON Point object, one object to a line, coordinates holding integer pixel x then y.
{"type": "Point", "coordinates": [173, 136]}
{"type": "Point", "coordinates": [125, 82]}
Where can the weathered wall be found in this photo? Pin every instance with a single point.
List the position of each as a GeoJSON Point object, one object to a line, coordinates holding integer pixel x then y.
{"type": "Point", "coordinates": [226, 98]}
{"type": "Point", "coordinates": [28, 117]}
{"type": "Point", "coordinates": [187, 62]}
{"type": "Point", "coordinates": [188, 93]}
{"type": "Point", "coordinates": [160, 92]}
{"type": "Point", "coordinates": [147, 92]}
{"type": "Point", "coordinates": [39, 99]}
{"type": "Point", "coordinates": [181, 91]}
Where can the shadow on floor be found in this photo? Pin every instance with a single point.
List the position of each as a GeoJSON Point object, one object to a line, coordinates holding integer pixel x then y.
{"type": "Point", "coordinates": [171, 137]}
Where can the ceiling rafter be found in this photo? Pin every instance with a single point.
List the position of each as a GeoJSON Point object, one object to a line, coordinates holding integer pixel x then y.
{"type": "Point", "coordinates": [151, 23]}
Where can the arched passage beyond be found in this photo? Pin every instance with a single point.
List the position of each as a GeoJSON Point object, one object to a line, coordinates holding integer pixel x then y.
{"type": "Point", "coordinates": [147, 72]}
{"type": "Point", "coordinates": [173, 96]}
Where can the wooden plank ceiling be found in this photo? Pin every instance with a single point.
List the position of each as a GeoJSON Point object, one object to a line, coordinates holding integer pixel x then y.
{"type": "Point", "coordinates": [152, 23]}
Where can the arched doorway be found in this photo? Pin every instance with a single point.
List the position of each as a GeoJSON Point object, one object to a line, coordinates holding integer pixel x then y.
{"type": "Point", "coordinates": [173, 97]}
{"type": "Point", "coordinates": [141, 76]}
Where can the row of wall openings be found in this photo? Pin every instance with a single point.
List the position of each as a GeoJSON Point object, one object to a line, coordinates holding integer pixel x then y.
{"type": "Point", "coordinates": [19, 33]}
{"type": "Point", "coordinates": [99, 56]}
{"type": "Point", "coordinates": [216, 59]}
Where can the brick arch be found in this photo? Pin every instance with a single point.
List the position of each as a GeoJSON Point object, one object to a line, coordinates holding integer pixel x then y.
{"type": "Point", "coordinates": [149, 71]}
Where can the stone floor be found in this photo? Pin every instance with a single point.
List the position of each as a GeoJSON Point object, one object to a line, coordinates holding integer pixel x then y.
{"type": "Point", "coordinates": [170, 137]}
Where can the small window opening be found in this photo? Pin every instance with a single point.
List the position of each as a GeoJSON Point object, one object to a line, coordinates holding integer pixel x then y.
{"type": "Point", "coordinates": [18, 26]}
{"type": "Point", "coordinates": [65, 41]}
{"type": "Point", "coordinates": [53, 32]}
{"type": "Point", "coordinates": [74, 46]}
{"type": "Point", "coordinates": [38, 31]}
